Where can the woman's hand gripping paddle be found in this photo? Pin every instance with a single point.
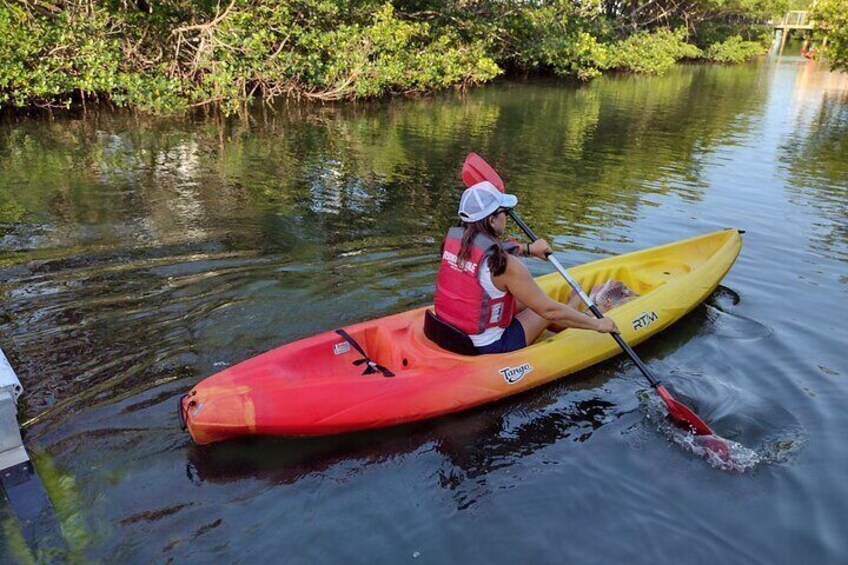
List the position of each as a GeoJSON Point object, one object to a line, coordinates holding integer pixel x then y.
{"type": "Point", "coordinates": [475, 170]}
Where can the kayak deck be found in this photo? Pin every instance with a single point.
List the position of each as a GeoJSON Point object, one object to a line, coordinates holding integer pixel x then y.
{"type": "Point", "coordinates": [313, 387]}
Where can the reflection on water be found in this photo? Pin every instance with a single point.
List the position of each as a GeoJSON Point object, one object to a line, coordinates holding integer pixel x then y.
{"type": "Point", "coordinates": [63, 537]}
{"type": "Point", "coordinates": [472, 447]}
{"type": "Point", "coordinates": [730, 324]}
{"type": "Point", "coordinates": [814, 156]}
{"type": "Point", "coordinates": [138, 255]}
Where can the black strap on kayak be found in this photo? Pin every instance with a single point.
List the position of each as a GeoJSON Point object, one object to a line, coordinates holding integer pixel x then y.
{"type": "Point", "coordinates": [372, 367]}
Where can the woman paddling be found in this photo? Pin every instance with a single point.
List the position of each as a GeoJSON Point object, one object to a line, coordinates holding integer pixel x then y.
{"type": "Point", "coordinates": [484, 291]}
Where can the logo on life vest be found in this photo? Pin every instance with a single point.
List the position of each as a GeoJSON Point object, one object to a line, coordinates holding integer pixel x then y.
{"type": "Point", "coordinates": [453, 261]}
{"type": "Point", "coordinates": [497, 311]}
{"type": "Point", "coordinates": [514, 374]}
{"type": "Point", "coordinates": [645, 320]}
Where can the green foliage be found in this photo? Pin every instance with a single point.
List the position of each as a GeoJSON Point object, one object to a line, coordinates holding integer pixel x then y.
{"type": "Point", "coordinates": [11, 212]}
{"type": "Point", "coordinates": [652, 52]}
{"type": "Point", "coordinates": [554, 36]}
{"type": "Point", "coordinates": [45, 60]}
{"type": "Point", "coordinates": [281, 52]}
{"type": "Point", "coordinates": [753, 10]}
{"type": "Point", "coordinates": [799, 5]}
{"type": "Point", "coordinates": [392, 55]}
{"type": "Point", "coordinates": [178, 54]}
{"type": "Point", "coordinates": [733, 50]}
{"type": "Point", "coordinates": [718, 32]}
{"type": "Point", "coordinates": [639, 15]}
{"type": "Point", "coordinates": [831, 18]}
{"type": "Point", "coordinates": [319, 48]}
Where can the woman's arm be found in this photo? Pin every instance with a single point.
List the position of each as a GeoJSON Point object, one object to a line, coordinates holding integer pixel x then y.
{"type": "Point", "coordinates": [517, 280]}
{"type": "Point", "coordinates": [539, 248]}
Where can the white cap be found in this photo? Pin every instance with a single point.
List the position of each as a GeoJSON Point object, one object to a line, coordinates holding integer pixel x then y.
{"type": "Point", "coordinates": [481, 200]}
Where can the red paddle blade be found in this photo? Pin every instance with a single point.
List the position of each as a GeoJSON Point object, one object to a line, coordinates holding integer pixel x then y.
{"type": "Point", "coordinates": [682, 414]}
{"type": "Point", "coordinates": [475, 170]}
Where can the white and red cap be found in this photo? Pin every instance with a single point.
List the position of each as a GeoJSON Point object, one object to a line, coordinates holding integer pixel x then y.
{"type": "Point", "coordinates": [483, 199]}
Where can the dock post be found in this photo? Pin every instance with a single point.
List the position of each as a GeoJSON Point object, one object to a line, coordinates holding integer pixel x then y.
{"type": "Point", "coordinates": [12, 450]}
{"type": "Point", "coordinates": [19, 483]}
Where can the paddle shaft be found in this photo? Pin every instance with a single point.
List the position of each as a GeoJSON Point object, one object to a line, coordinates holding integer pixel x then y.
{"type": "Point", "coordinates": [583, 296]}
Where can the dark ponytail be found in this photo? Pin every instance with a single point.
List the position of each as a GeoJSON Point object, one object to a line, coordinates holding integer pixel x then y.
{"type": "Point", "coordinates": [498, 256]}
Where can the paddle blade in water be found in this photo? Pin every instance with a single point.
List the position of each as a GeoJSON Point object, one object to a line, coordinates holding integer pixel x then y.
{"type": "Point", "coordinates": [717, 447]}
{"type": "Point", "coordinates": [682, 414]}
{"type": "Point", "coordinates": [475, 170]}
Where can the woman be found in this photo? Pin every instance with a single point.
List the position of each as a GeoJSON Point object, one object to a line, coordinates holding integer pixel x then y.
{"type": "Point", "coordinates": [482, 288]}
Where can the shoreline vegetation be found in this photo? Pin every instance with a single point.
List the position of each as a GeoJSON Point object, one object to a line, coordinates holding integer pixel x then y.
{"type": "Point", "coordinates": [176, 55]}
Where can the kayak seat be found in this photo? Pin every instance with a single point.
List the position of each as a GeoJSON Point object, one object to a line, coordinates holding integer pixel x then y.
{"type": "Point", "coordinates": [446, 336]}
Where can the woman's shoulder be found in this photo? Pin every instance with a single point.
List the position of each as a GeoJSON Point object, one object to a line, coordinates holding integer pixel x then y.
{"type": "Point", "coordinates": [515, 267]}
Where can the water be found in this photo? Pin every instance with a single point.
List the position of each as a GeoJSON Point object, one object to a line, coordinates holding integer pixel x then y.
{"type": "Point", "coordinates": [138, 255]}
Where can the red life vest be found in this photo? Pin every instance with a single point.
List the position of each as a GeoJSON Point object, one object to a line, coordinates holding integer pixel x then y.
{"type": "Point", "coordinates": [461, 300]}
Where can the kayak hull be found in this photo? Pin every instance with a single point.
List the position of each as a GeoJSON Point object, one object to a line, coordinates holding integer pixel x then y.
{"type": "Point", "coordinates": [312, 387]}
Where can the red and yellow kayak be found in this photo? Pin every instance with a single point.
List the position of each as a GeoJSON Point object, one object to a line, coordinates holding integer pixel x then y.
{"type": "Point", "coordinates": [313, 386]}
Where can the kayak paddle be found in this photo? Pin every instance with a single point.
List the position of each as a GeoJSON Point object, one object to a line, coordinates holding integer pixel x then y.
{"type": "Point", "coordinates": [475, 170]}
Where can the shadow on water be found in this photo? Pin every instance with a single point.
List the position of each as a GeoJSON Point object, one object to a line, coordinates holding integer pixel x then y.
{"type": "Point", "coordinates": [472, 444]}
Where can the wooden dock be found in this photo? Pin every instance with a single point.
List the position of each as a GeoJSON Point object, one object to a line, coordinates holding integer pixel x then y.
{"type": "Point", "coordinates": [792, 21]}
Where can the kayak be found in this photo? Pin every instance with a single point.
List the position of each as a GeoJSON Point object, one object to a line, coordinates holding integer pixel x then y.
{"type": "Point", "coordinates": [386, 371]}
